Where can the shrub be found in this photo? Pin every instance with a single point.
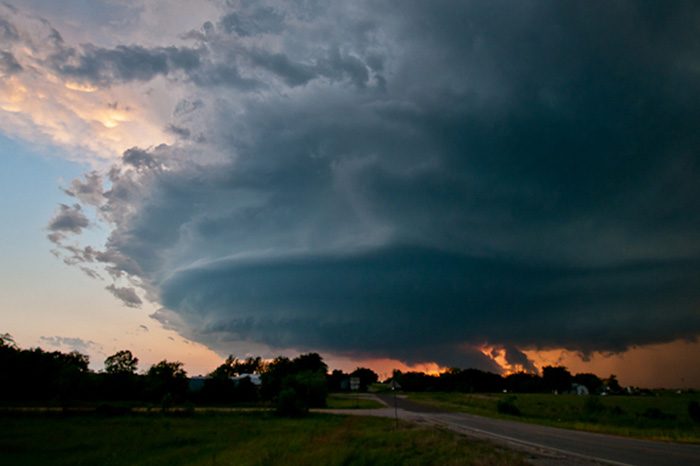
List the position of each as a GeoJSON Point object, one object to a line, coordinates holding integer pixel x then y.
{"type": "Point", "coordinates": [290, 405]}
{"type": "Point", "coordinates": [657, 414]}
{"type": "Point", "coordinates": [593, 405]}
{"type": "Point", "coordinates": [508, 407]}
{"type": "Point", "coordinates": [311, 388]}
{"type": "Point", "coordinates": [694, 411]}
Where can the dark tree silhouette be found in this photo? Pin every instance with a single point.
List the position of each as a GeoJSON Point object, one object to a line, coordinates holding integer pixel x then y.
{"type": "Point", "coordinates": [311, 362]}
{"type": "Point", "coordinates": [557, 379]}
{"type": "Point", "coordinates": [122, 362]}
{"type": "Point", "coordinates": [611, 384]}
{"type": "Point", "coordinates": [591, 381]}
{"type": "Point", "coordinates": [367, 377]}
{"type": "Point", "coordinates": [524, 382]}
{"type": "Point", "coordinates": [225, 370]}
{"type": "Point", "coordinates": [167, 378]}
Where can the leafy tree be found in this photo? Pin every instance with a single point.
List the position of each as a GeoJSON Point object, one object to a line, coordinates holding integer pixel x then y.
{"type": "Point", "coordinates": [250, 366]}
{"type": "Point", "coordinates": [694, 411]}
{"type": "Point", "coordinates": [416, 381]}
{"type": "Point", "coordinates": [122, 362]}
{"type": "Point", "coordinates": [7, 340]}
{"type": "Point", "coordinates": [290, 405]}
{"type": "Point", "coordinates": [611, 384]}
{"type": "Point", "coordinates": [167, 377]}
{"type": "Point", "coordinates": [591, 381]}
{"type": "Point", "coordinates": [367, 377]}
{"type": "Point", "coordinates": [120, 382]}
{"type": "Point", "coordinates": [274, 375]}
{"type": "Point", "coordinates": [303, 377]}
{"type": "Point", "coordinates": [310, 387]}
{"type": "Point", "coordinates": [470, 380]}
{"type": "Point", "coordinates": [226, 370]}
{"type": "Point", "coordinates": [72, 380]}
{"type": "Point", "coordinates": [557, 378]}
{"type": "Point", "coordinates": [524, 382]}
{"type": "Point", "coordinates": [310, 362]}
{"type": "Point", "coordinates": [246, 390]}
{"type": "Point", "coordinates": [336, 379]}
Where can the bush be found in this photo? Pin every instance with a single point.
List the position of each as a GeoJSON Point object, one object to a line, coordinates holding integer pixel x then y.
{"type": "Point", "coordinates": [290, 405]}
{"type": "Point", "coordinates": [311, 388]}
{"type": "Point", "coordinates": [593, 405]}
{"type": "Point", "coordinates": [694, 411]}
{"type": "Point", "coordinates": [110, 410]}
{"type": "Point", "coordinates": [657, 414]}
{"type": "Point", "coordinates": [508, 407]}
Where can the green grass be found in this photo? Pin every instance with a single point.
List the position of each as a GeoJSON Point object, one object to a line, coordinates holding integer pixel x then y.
{"type": "Point", "coordinates": [346, 401]}
{"type": "Point", "coordinates": [663, 417]}
{"type": "Point", "coordinates": [240, 439]}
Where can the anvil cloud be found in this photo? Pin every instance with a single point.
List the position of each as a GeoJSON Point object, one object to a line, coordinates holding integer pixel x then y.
{"type": "Point", "coordinates": [413, 180]}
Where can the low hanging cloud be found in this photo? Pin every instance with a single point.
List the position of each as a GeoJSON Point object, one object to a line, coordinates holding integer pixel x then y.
{"type": "Point", "coordinates": [420, 185]}
{"type": "Point", "coordinates": [68, 219]}
{"type": "Point", "coordinates": [71, 343]}
{"type": "Point", "coordinates": [126, 295]}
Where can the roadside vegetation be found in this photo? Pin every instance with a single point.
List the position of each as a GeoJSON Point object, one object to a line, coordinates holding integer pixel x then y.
{"type": "Point", "coordinates": [347, 401]}
{"type": "Point", "coordinates": [235, 438]}
{"type": "Point", "coordinates": [37, 378]}
{"type": "Point", "coordinates": [661, 415]}
{"type": "Point", "coordinates": [34, 378]}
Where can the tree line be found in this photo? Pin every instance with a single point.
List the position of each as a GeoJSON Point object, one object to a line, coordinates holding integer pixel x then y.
{"type": "Point", "coordinates": [554, 379]}
{"type": "Point", "coordinates": [295, 385]}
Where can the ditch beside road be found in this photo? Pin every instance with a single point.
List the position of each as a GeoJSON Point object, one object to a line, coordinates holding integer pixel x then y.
{"type": "Point", "coordinates": [545, 445]}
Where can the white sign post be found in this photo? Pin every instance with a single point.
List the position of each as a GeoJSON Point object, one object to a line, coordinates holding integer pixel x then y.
{"type": "Point", "coordinates": [355, 386]}
{"type": "Point", "coordinates": [394, 385]}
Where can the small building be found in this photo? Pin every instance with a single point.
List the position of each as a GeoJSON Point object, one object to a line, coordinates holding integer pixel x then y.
{"type": "Point", "coordinates": [197, 383]}
{"type": "Point", "coordinates": [254, 379]}
{"type": "Point", "coordinates": [578, 389]}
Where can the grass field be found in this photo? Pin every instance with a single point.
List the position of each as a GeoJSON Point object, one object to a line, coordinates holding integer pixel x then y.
{"type": "Point", "coordinates": [664, 417]}
{"type": "Point", "coordinates": [357, 401]}
{"type": "Point", "coordinates": [240, 439]}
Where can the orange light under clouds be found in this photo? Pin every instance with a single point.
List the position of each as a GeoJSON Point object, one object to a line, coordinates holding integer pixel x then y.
{"type": "Point", "coordinates": [92, 124]}
{"type": "Point", "coordinates": [639, 367]}
{"type": "Point", "coordinates": [384, 367]}
{"type": "Point", "coordinates": [664, 365]}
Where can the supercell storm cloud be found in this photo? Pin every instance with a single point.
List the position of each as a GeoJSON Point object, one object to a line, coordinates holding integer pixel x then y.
{"type": "Point", "coordinates": [413, 180]}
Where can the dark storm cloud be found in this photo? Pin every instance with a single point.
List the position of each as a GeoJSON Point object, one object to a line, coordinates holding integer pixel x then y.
{"type": "Point", "coordinates": [223, 74]}
{"type": "Point", "coordinates": [515, 357]}
{"type": "Point", "coordinates": [259, 20]}
{"type": "Point", "coordinates": [140, 159]}
{"type": "Point", "coordinates": [124, 63]}
{"type": "Point", "coordinates": [419, 185]}
{"type": "Point", "coordinates": [293, 74]}
{"type": "Point", "coordinates": [388, 300]}
{"type": "Point", "coordinates": [178, 131]}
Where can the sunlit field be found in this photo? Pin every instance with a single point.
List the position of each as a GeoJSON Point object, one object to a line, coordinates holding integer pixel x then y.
{"type": "Point", "coordinates": [241, 439]}
{"type": "Point", "coordinates": [663, 416]}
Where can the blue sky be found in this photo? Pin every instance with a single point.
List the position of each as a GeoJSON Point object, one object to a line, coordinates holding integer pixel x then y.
{"type": "Point", "coordinates": [500, 185]}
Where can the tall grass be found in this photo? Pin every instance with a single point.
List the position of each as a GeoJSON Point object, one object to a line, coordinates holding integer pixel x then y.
{"type": "Point", "coordinates": [240, 439]}
{"type": "Point", "coordinates": [664, 417]}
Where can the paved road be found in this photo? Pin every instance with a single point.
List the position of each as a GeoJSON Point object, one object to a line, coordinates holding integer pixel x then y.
{"type": "Point", "coordinates": [604, 448]}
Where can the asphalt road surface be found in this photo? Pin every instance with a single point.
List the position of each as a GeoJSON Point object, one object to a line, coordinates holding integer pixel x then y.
{"type": "Point", "coordinates": [607, 449]}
